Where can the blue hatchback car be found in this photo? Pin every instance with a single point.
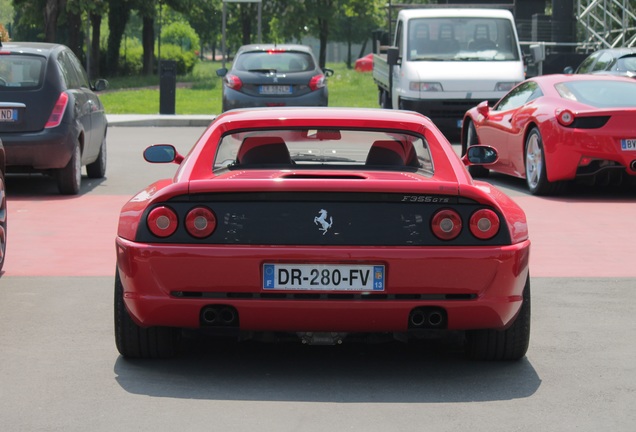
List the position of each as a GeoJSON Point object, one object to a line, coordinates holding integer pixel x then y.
{"type": "Point", "coordinates": [51, 120]}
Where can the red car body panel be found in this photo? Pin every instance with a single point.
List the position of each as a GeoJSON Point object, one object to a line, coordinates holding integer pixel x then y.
{"type": "Point", "coordinates": [488, 280]}
{"type": "Point", "coordinates": [564, 146]}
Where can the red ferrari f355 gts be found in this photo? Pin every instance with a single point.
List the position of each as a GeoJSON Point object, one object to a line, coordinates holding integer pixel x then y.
{"type": "Point", "coordinates": [324, 224]}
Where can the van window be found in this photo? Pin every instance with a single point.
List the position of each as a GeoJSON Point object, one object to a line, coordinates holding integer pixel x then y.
{"type": "Point", "coordinates": [462, 39]}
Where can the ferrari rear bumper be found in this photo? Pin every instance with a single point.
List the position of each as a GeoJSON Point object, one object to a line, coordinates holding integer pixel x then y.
{"type": "Point", "coordinates": [471, 287]}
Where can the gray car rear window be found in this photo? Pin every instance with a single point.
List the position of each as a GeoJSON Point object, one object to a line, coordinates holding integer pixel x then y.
{"type": "Point", "coordinates": [20, 72]}
{"type": "Point", "coordinates": [280, 61]}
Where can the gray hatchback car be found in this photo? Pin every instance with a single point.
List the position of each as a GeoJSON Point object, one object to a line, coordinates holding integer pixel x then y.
{"type": "Point", "coordinates": [274, 75]}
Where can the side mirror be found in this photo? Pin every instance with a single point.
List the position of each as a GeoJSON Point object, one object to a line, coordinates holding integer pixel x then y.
{"type": "Point", "coordinates": [483, 108]}
{"type": "Point", "coordinates": [392, 56]}
{"type": "Point", "coordinates": [162, 153]}
{"type": "Point", "coordinates": [568, 70]}
{"type": "Point", "coordinates": [328, 72]}
{"type": "Point", "coordinates": [221, 72]}
{"type": "Point", "coordinates": [480, 155]}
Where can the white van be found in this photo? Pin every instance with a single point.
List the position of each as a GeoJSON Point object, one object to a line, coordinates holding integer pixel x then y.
{"type": "Point", "coordinates": [447, 60]}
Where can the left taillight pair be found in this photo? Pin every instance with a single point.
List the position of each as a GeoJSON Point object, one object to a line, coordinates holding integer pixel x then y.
{"type": "Point", "coordinates": [200, 222]}
{"type": "Point", "coordinates": [447, 224]}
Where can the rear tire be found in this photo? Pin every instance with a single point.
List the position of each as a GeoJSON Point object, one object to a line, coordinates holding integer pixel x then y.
{"type": "Point", "coordinates": [509, 344]}
{"type": "Point", "coordinates": [69, 178]}
{"type": "Point", "coordinates": [3, 220]}
{"type": "Point", "coordinates": [134, 341]}
{"type": "Point", "coordinates": [473, 139]}
{"type": "Point", "coordinates": [536, 169]}
{"type": "Point", "coordinates": [97, 169]}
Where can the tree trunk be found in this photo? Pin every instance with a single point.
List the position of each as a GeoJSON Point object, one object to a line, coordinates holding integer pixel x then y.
{"type": "Point", "coordinates": [52, 10]}
{"type": "Point", "coordinates": [148, 41]}
{"type": "Point", "coordinates": [118, 15]}
{"type": "Point", "coordinates": [96, 22]}
{"type": "Point", "coordinates": [74, 22]}
{"type": "Point", "coordinates": [323, 29]}
{"type": "Point", "coordinates": [246, 22]}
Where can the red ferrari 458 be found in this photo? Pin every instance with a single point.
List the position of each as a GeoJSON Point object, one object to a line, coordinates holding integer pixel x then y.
{"type": "Point", "coordinates": [555, 128]}
{"type": "Point", "coordinates": [324, 224]}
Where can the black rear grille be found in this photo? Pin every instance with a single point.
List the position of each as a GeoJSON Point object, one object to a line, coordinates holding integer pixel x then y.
{"type": "Point", "coordinates": [323, 219]}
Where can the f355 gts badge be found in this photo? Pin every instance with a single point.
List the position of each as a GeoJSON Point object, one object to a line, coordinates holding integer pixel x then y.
{"type": "Point", "coordinates": [322, 221]}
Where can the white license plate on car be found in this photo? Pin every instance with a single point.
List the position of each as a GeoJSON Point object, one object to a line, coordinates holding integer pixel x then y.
{"type": "Point", "coordinates": [329, 277]}
{"type": "Point", "coordinates": [275, 90]}
{"type": "Point", "coordinates": [8, 115]}
{"type": "Point", "coordinates": [628, 144]}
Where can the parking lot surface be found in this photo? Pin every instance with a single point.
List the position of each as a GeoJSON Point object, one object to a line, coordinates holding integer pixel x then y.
{"type": "Point", "coordinates": [60, 369]}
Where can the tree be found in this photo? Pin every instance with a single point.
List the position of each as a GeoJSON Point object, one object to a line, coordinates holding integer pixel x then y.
{"type": "Point", "coordinates": [118, 15]}
{"type": "Point", "coordinates": [356, 21]}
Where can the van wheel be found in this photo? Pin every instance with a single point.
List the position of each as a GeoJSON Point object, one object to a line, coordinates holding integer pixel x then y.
{"type": "Point", "coordinates": [133, 341]}
{"type": "Point", "coordinates": [69, 178]}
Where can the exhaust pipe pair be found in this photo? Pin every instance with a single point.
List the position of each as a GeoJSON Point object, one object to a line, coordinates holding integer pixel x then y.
{"type": "Point", "coordinates": [427, 318]}
{"type": "Point", "coordinates": [219, 316]}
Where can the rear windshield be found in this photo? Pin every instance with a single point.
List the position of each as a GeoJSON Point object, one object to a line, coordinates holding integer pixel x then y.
{"type": "Point", "coordinates": [20, 71]}
{"type": "Point", "coordinates": [600, 94]}
{"type": "Point", "coordinates": [324, 149]}
{"type": "Point", "coordinates": [273, 60]}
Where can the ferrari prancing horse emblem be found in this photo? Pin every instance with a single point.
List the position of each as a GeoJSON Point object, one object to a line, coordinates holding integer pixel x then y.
{"type": "Point", "coordinates": [322, 221]}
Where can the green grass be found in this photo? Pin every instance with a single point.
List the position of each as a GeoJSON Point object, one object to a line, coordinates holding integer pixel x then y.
{"type": "Point", "coordinates": [133, 95]}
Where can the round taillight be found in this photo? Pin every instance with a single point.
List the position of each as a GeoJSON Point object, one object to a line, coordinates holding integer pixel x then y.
{"type": "Point", "coordinates": [200, 222]}
{"type": "Point", "coordinates": [565, 117]}
{"type": "Point", "coordinates": [162, 221]}
{"type": "Point", "coordinates": [446, 224]}
{"type": "Point", "coordinates": [484, 224]}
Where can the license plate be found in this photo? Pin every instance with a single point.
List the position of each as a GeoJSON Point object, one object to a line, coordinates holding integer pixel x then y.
{"type": "Point", "coordinates": [329, 277]}
{"type": "Point", "coordinates": [275, 90]}
{"type": "Point", "coordinates": [628, 144]}
{"type": "Point", "coordinates": [8, 115]}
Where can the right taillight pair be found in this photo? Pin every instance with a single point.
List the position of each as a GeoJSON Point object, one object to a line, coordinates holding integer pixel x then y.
{"type": "Point", "coordinates": [447, 224]}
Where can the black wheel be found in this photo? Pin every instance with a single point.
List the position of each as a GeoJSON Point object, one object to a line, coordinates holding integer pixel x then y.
{"type": "Point", "coordinates": [3, 220]}
{"type": "Point", "coordinates": [536, 170]}
{"type": "Point", "coordinates": [69, 178]}
{"type": "Point", "coordinates": [473, 139]}
{"type": "Point", "coordinates": [134, 341]}
{"type": "Point", "coordinates": [97, 169]}
{"type": "Point", "coordinates": [509, 344]}
{"type": "Point", "coordinates": [385, 99]}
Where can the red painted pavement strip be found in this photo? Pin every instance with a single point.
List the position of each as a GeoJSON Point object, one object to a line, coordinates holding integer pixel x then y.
{"type": "Point", "coordinates": [580, 238]}
{"type": "Point", "coordinates": [63, 236]}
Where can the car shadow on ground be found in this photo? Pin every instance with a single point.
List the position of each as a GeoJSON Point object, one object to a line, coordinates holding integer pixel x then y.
{"type": "Point", "coordinates": [392, 372]}
{"type": "Point", "coordinates": [571, 192]}
{"type": "Point", "coordinates": [21, 186]}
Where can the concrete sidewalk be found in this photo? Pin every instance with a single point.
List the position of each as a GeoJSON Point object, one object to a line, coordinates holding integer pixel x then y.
{"type": "Point", "coordinates": [166, 120]}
